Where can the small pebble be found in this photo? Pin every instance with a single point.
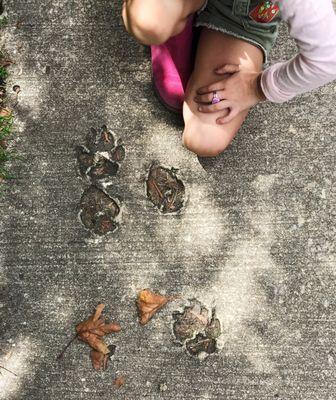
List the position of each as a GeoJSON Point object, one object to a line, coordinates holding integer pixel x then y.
{"type": "Point", "coordinates": [16, 89]}
{"type": "Point", "coordinates": [163, 387]}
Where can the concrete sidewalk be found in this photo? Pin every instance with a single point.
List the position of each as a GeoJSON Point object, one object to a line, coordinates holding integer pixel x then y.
{"type": "Point", "coordinates": [256, 238]}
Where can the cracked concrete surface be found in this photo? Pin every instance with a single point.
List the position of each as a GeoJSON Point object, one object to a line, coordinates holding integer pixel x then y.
{"type": "Point", "coordinates": [256, 239]}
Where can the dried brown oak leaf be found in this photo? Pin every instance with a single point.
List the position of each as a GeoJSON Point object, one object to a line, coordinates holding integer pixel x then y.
{"type": "Point", "coordinates": [94, 328]}
{"type": "Point", "coordinates": [149, 303]}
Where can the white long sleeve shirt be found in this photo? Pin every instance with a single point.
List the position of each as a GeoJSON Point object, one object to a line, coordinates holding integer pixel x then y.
{"type": "Point", "coordinates": [312, 23]}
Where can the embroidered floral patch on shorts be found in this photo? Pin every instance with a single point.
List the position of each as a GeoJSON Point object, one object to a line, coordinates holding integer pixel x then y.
{"type": "Point", "coordinates": [265, 11]}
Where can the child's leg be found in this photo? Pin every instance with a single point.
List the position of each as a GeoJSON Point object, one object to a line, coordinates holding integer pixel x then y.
{"type": "Point", "coordinates": [155, 21]}
{"type": "Point", "coordinates": [201, 134]}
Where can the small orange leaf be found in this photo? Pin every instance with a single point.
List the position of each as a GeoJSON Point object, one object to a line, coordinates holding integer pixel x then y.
{"type": "Point", "coordinates": [148, 304]}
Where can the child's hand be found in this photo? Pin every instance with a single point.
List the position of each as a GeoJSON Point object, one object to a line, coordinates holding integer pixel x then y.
{"type": "Point", "coordinates": [238, 92]}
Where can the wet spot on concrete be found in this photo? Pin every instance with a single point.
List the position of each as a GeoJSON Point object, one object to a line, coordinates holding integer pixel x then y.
{"type": "Point", "coordinates": [197, 329]}
{"type": "Point", "coordinates": [164, 189]}
{"type": "Point", "coordinates": [98, 211]}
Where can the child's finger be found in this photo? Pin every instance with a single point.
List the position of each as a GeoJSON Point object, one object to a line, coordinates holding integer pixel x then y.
{"type": "Point", "coordinates": [214, 87]}
{"type": "Point", "coordinates": [228, 69]}
{"type": "Point", "coordinates": [210, 108]}
{"type": "Point", "coordinates": [232, 114]}
{"type": "Point", "coordinates": [208, 97]}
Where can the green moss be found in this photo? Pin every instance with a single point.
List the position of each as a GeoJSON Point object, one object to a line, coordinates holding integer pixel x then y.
{"type": "Point", "coordinates": [5, 156]}
{"type": "Point", "coordinates": [3, 21]}
{"type": "Point", "coordinates": [3, 73]}
{"type": "Point", "coordinates": [6, 120]}
{"type": "Point", "coordinates": [6, 125]}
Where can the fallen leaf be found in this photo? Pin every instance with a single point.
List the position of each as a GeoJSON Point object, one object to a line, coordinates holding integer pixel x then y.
{"type": "Point", "coordinates": [100, 360]}
{"type": "Point", "coordinates": [94, 328]}
{"type": "Point", "coordinates": [92, 331]}
{"type": "Point", "coordinates": [119, 381]}
{"type": "Point", "coordinates": [149, 303]}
